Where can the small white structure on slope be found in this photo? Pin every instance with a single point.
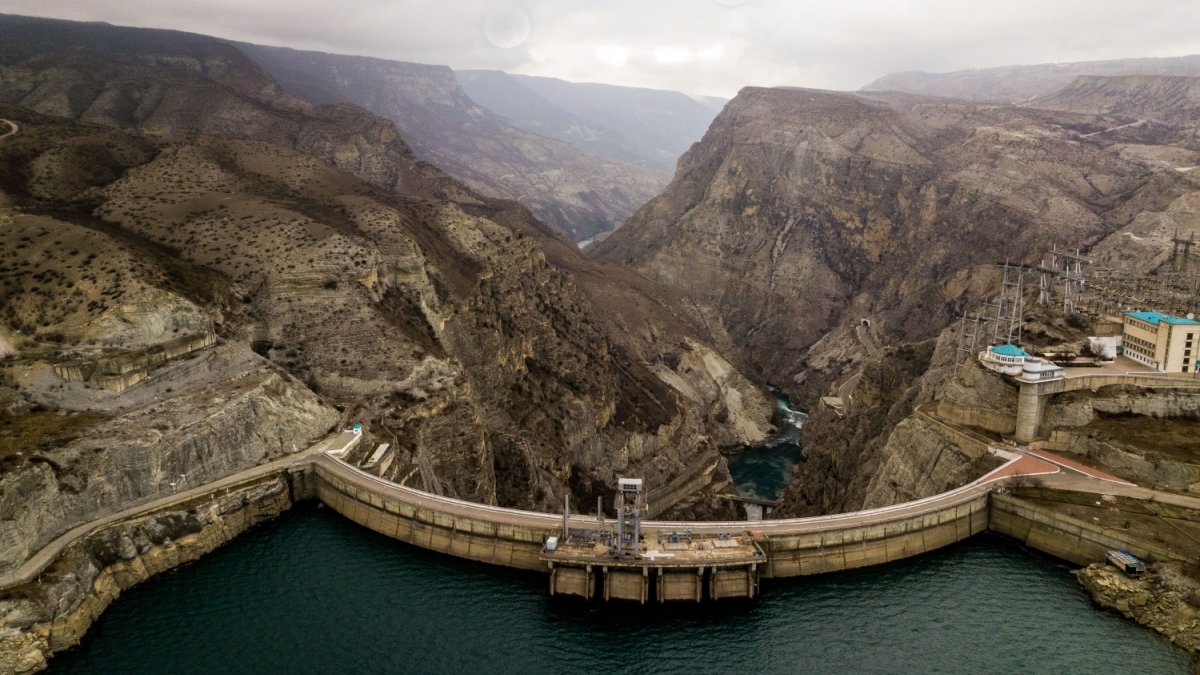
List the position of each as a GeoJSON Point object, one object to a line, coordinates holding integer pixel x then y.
{"type": "Point", "coordinates": [1006, 359]}
{"type": "Point", "coordinates": [1039, 370]}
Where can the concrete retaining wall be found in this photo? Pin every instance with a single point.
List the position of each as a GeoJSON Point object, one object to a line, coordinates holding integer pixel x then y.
{"type": "Point", "coordinates": [860, 546]}
{"type": "Point", "coordinates": [1065, 537]}
{"type": "Point", "coordinates": [465, 537]}
{"type": "Point", "coordinates": [973, 416]}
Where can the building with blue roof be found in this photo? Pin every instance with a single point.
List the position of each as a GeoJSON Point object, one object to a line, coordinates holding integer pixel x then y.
{"type": "Point", "coordinates": [1008, 350]}
{"type": "Point", "coordinates": [1008, 359]}
{"type": "Point", "coordinates": [1163, 342]}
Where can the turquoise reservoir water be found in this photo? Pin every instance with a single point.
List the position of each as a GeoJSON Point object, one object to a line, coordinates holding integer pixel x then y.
{"type": "Point", "coordinates": [314, 593]}
{"type": "Point", "coordinates": [763, 471]}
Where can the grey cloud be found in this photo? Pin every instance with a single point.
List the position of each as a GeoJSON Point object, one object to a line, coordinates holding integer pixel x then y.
{"type": "Point", "coordinates": [697, 46]}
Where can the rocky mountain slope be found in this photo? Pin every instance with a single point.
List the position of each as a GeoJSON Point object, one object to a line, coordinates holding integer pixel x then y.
{"type": "Point", "coordinates": [580, 194]}
{"type": "Point", "coordinates": [658, 125]}
{"type": "Point", "coordinates": [203, 272]}
{"type": "Point", "coordinates": [803, 212]}
{"type": "Point", "coordinates": [1014, 84]}
{"type": "Point", "coordinates": [1171, 100]}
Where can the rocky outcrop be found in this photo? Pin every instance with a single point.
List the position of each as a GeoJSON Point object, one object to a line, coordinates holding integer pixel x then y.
{"type": "Point", "coordinates": [802, 212]}
{"type": "Point", "coordinates": [186, 441]}
{"type": "Point", "coordinates": [922, 458]}
{"type": "Point", "coordinates": [845, 454]}
{"type": "Point", "coordinates": [1166, 599]}
{"type": "Point", "coordinates": [1077, 409]}
{"type": "Point", "coordinates": [53, 613]}
{"type": "Point", "coordinates": [501, 364]}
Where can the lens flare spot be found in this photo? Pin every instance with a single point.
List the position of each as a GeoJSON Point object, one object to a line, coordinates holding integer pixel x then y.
{"type": "Point", "coordinates": [506, 25]}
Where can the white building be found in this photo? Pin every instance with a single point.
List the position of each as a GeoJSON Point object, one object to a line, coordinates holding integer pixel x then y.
{"type": "Point", "coordinates": [1163, 342]}
{"type": "Point", "coordinates": [1039, 370]}
{"type": "Point", "coordinates": [1016, 362]}
{"type": "Point", "coordinates": [1005, 359]}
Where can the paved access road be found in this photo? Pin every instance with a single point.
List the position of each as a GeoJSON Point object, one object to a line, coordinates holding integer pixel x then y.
{"type": "Point", "coordinates": [34, 566]}
{"type": "Point", "coordinates": [778, 527]}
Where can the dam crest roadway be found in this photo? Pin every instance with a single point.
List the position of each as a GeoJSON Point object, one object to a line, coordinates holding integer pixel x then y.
{"type": "Point", "coordinates": [783, 547]}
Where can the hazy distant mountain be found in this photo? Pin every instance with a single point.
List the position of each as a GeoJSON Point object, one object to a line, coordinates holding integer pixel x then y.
{"type": "Point", "coordinates": [661, 124]}
{"type": "Point", "coordinates": [580, 194]}
{"type": "Point", "coordinates": [1166, 98]}
{"type": "Point", "coordinates": [1012, 84]}
{"type": "Point", "coordinates": [505, 95]}
{"type": "Point", "coordinates": [714, 102]}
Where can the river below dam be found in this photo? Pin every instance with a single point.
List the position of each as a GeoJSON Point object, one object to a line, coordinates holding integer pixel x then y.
{"type": "Point", "coordinates": [312, 592]}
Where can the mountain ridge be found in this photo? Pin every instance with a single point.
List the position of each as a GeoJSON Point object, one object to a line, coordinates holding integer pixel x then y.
{"type": "Point", "coordinates": [1020, 83]}
{"type": "Point", "coordinates": [581, 195]}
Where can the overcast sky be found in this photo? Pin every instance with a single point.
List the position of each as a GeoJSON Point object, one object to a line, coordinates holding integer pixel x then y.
{"type": "Point", "coordinates": [710, 47]}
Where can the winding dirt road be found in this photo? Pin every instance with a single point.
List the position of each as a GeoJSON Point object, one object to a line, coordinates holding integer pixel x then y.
{"type": "Point", "coordinates": [13, 128]}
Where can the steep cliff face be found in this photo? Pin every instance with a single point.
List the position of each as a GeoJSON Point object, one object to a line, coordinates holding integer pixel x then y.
{"type": "Point", "coordinates": [844, 453]}
{"type": "Point", "coordinates": [804, 210]}
{"type": "Point", "coordinates": [833, 231]}
{"type": "Point", "coordinates": [502, 365]}
{"type": "Point", "coordinates": [942, 444]}
{"type": "Point", "coordinates": [580, 194]}
{"type": "Point", "coordinates": [153, 450]}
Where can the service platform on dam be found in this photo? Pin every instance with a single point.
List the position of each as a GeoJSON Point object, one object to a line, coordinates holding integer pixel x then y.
{"type": "Point", "coordinates": [635, 563]}
{"type": "Point", "coordinates": [662, 549]}
{"type": "Point", "coordinates": [670, 566]}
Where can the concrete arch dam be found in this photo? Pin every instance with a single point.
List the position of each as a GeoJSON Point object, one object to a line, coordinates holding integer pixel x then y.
{"type": "Point", "coordinates": [775, 548]}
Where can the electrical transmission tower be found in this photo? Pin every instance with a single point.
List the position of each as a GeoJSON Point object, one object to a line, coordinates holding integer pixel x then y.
{"type": "Point", "coordinates": [1182, 252]}
{"type": "Point", "coordinates": [971, 327]}
{"type": "Point", "coordinates": [1010, 306]}
{"type": "Point", "coordinates": [1070, 269]}
{"type": "Point", "coordinates": [996, 321]}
